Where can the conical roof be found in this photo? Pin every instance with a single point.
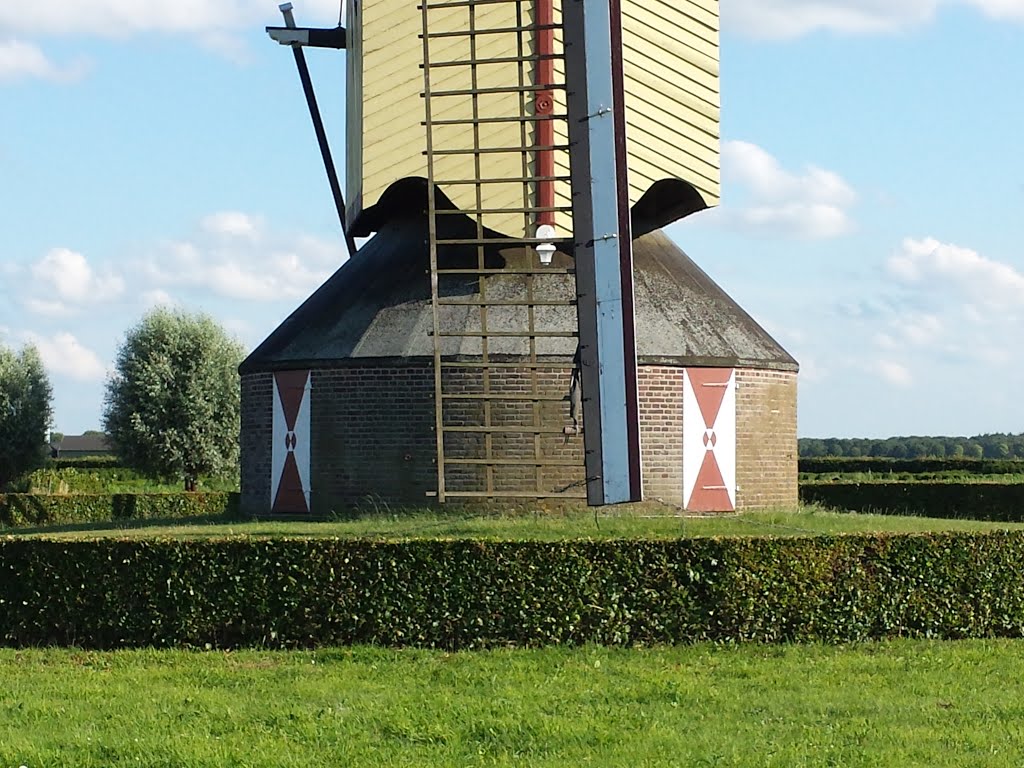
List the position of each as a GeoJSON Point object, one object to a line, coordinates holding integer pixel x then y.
{"type": "Point", "coordinates": [377, 307]}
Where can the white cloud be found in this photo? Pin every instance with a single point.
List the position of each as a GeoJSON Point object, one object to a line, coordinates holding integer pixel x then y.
{"type": "Point", "coordinates": [157, 298]}
{"type": "Point", "coordinates": [951, 307]}
{"type": "Point", "coordinates": [218, 25]}
{"type": "Point", "coordinates": [931, 265]}
{"type": "Point", "coordinates": [921, 329]}
{"type": "Point", "coordinates": [1001, 9]}
{"type": "Point", "coordinates": [46, 307]}
{"type": "Point", "coordinates": [65, 274]}
{"type": "Point", "coordinates": [894, 373]}
{"type": "Point", "coordinates": [808, 205]}
{"type": "Point", "coordinates": [234, 255]}
{"type": "Point", "coordinates": [767, 180]}
{"type": "Point", "coordinates": [781, 19]}
{"type": "Point", "coordinates": [232, 224]}
{"type": "Point", "coordinates": [120, 18]}
{"type": "Point", "coordinates": [63, 354]}
{"type": "Point", "coordinates": [20, 60]}
{"type": "Point", "coordinates": [785, 19]}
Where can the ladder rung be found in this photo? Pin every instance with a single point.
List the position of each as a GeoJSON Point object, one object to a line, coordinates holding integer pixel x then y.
{"type": "Point", "coordinates": [536, 209]}
{"type": "Point", "coordinates": [538, 462]}
{"type": "Point", "coordinates": [509, 271]}
{"type": "Point", "coordinates": [509, 334]}
{"type": "Point", "coordinates": [495, 60]}
{"type": "Point", "coordinates": [495, 89]}
{"type": "Point", "coordinates": [499, 150]}
{"type": "Point", "coordinates": [492, 31]}
{"type": "Point", "coordinates": [490, 120]}
{"type": "Point", "coordinates": [507, 396]}
{"type": "Point", "coordinates": [530, 430]}
{"type": "Point", "coordinates": [507, 303]}
{"type": "Point", "coordinates": [541, 364]}
{"type": "Point", "coordinates": [511, 494]}
{"type": "Point", "coordinates": [493, 241]}
{"type": "Point", "coordinates": [458, 4]}
{"type": "Point", "coordinates": [504, 180]}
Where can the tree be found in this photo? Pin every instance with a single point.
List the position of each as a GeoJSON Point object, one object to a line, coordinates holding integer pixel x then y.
{"type": "Point", "coordinates": [25, 412]}
{"type": "Point", "coordinates": [172, 407]}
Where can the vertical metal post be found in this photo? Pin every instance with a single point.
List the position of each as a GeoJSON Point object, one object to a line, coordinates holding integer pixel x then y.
{"type": "Point", "coordinates": [625, 256]}
{"type": "Point", "coordinates": [603, 250]}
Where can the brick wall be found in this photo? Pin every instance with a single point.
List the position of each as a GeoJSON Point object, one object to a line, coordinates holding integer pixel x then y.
{"type": "Point", "coordinates": [373, 437]}
{"type": "Point", "coordinates": [660, 389]}
{"type": "Point", "coordinates": [766, 449]}
{"type": "Point", "coordinates": [256, 436]}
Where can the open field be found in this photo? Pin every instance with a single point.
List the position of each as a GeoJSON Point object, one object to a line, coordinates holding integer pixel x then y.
{"type": "Point", "coordinates": [899, 703]}
{"type": "Point", "coordinates": [649, 521]}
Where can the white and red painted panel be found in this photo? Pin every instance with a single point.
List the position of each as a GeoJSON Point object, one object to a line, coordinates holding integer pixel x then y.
{"type": "Point", "coordinates": [709, 439]}
{"type": "Point", "coordinates": [289, 478]}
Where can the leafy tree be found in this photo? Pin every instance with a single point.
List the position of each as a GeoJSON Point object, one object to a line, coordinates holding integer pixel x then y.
{"type": "Point", "coordinates": [172, 406]}
{"type": "Point", "coordinates": [811, 447]}
{"type": "Point", "coordinates": [25, 412]}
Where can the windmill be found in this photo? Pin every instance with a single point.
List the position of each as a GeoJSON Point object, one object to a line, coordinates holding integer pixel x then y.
{"type": "Point", "coordinates": [555, 129]}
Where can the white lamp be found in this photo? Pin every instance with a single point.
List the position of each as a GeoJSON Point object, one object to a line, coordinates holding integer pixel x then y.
{"type": "Point", "coordinates": [545, 250]}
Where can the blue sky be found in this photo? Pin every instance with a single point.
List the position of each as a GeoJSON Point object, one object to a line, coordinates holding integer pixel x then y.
{"type": "Point", "coordinates": [873, 185]}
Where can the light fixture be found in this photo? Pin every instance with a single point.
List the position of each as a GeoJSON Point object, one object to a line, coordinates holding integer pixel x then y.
{"type": "Point", "coordinates": [545, 250]}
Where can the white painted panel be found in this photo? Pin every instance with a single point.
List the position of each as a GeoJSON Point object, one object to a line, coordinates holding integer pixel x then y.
{"type": "Point", "coordinates": [725, 430]}
{"type": "Point", "coordinates": [700, 438]}
{"type": "Point", "coordinates": [303, 436]}
{"type": "Point", "coordinates": [693, 439]}
{"type": "Point", "coordinates": [279, 450]}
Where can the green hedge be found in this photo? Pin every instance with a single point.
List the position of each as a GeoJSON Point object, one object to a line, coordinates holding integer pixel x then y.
{"type": "Point", "coordinates": [975, 501]}
{"type": "Point", "coordinates": [85, 462]}
{"type": "Point", "coordinates": [109, 593]}
{"type": "Point", "coordinates": [21, 509]}
{"type": "Point", "coordinates": [837, 464]}
{"type": "Point", "coordinates": [61, 479]}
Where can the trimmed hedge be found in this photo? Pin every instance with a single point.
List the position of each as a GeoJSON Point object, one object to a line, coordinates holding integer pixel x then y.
{"type": "Point", "coordinates": [21, 509]}
{"type": "Point", "coordinates": [975, 501]}
{"type": "Point", "coordinates": [85, 462]}
{"type": "Point", "coordinates": [65, 480]}
{"type": "Point", "coordinates": [838, 464]}
{"type": "Point", "coordinates": [467, 594]}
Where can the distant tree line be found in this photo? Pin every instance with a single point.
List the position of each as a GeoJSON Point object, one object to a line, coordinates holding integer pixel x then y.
{"type": "Point", "coordinates": [994, 446]}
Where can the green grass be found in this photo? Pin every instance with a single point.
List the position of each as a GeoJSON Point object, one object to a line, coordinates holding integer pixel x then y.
{"type": "Point", "coordinates": [893, 704]}
{"type": "Point", "coordinates": [647, 520]}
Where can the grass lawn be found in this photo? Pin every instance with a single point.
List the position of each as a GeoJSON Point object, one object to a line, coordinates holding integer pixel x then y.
{"type": "Point", "coordinates": [647, 520]}
{"type": "Point", "coordinates": [905, 703]}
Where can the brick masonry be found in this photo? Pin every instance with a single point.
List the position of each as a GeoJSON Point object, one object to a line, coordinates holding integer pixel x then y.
{"type": "Point", "coordinates": [373, 439]}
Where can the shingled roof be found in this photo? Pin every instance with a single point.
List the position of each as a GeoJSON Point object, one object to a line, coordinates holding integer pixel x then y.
{"type": "Point", "coordinates": [377, 307]}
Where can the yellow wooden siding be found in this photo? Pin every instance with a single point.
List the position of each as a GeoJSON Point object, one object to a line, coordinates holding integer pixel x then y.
{"type": "Point", "coordinates": [392, 138]}
{"type": "Point", "coordinates": [672, 103]}
{"type": "Point", "coordinates": [670, 54]}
